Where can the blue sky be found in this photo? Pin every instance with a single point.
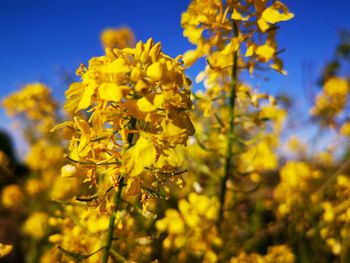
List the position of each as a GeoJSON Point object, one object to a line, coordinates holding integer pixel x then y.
{"type": "Point", "coordinates": [39, 37]}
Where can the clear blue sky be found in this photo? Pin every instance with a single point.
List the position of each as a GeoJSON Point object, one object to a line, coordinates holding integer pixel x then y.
{"type": "Point", "coordinates": [37, 37]}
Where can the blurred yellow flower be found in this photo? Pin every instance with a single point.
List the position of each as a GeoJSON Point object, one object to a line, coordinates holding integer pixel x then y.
{"type": "Point", "coordinates": [5, 249]}
{"type": "Point", "coordinates": [12, 196]}
{"type": "Point", "coordinates": [36, 225]}
{"type": "Point", "coordinates": [117, 38]}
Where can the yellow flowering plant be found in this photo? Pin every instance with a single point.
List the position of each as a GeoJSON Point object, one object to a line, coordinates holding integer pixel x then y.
{"type": "Point", "coordinates": [235, 36]}
{"type": "Point", "coordinates": [29, 198]}
{"type": "Point", "coordinates": [235, 145]}
{"type": "Point", "coordinates": [139, 168]}
{"type": "Point", "coordinates": [191, 230]}
{"type": "Point", "coordinates": [130, 118]}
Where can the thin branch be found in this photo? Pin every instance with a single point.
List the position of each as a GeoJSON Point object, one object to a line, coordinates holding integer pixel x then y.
{"type": "Point", "coordinates": [94, 197]}
{"type": "Point", "coordinates": [117, 256]}
{"type": "Point", "coordinates": [77, 256]}
{"type": "Point", "coordinates": [91, 163]}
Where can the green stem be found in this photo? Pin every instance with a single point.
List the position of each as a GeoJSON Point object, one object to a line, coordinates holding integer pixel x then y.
{"type": "Point", "coordinates": [229, 164]}
{"type": "Point", "coordinates": [117, 201]}
{"type": "Point", "coordinates": [109, 239]}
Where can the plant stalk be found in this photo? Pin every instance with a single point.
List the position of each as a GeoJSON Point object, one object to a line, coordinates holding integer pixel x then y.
{"type": "Point", "coordinates": [117, 201]}
{"type": "Point", "coordinates": [229, 163]}
{"type": "Point", "coordinates": [109, 239]}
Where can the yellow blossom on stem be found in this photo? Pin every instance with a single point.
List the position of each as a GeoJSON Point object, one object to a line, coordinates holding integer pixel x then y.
{"type": "Point", "coordinates": [137, 101]}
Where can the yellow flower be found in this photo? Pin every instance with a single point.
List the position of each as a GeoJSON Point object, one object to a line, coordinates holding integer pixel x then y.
{"type": "Point", "coordinates": [265, 52]}
{"type": "Point", "coordinates": [12, 196]}
{"type": "Point", "coordinates": [336, 87]}
{"type": "Point", "coordinates": [207, 24]}
{"type": "Point", "coordinates": [329, 214]}
{"type": "Point", "coordinates": [259, 157]}
{"type": "Point", "coordinates": [34, 186]}
{"type": "Point", "coordinates": [36, 103]}
{"type": "Point", "coordinates": [44, 155]}
{"type": "Point", "coordinates": [130, 114]}
{"type": "Point", "coordinates": [139, 157]}
{"type": "Point", "coordinates": [297, 180]}
{"type": "Point", "coordinates": [332, 100]}
{"type": "Point", "coordinates": [197, 216]}
{"type": "Point", "coordinates": [5, 249]}
{"type": "Point", "coordinates": [345, 129]}
{"type": "Point", "coordinates": [273, 15]}
{"type": "Point", "coordinates": [36, 225]}
{"type": "Point", "coordinates": [279, 253]}
{"type": "Point", "coordinates": [117, 38]}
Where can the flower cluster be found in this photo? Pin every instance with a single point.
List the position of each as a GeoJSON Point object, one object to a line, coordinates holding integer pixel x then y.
{"type": "Point", "coordinates": [336, 215]}
{"type": "Point", "coordinates": [211, 24]}
{"type": "Point", "coordinates": [331, 101]}
{"type": "Point", "coordinates": [191, 229]}
{"type": "Point", "coordinates": [35, 102]}
{"type": "Point", "coordinates": [281, 253]}
{"type": "Point", "coordinates": [78, 232]}
{"type": "Point", "coordinates": [130, 117]}
{"type": "Point", "coordinates": [117, 38]}
{"type": "Point", "coordinates": [297, 181]}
